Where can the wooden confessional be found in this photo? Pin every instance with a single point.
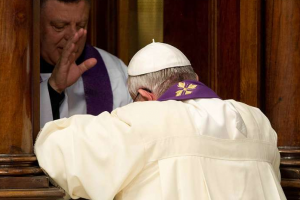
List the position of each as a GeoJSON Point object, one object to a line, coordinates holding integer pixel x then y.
{"type": "Point", "coordinates": [245, 50]}
{"type": "Point", "coordinates": [20, 176]}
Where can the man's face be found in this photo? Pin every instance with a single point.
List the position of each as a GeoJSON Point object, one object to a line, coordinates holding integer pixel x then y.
{"type": "Point", "coordinates": [59, 22]}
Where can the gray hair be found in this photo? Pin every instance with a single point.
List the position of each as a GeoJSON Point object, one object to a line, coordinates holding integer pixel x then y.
{"type": "Point", "coordinates": [158, 82]}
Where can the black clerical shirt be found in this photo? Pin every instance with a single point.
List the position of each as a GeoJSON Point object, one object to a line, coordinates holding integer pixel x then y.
{"type": "Point", "coordinates": [55, 98]}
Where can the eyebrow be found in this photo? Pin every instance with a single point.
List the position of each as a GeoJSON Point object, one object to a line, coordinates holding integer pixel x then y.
{"type": "Point", "coordinates": [66, 22]}
{"type": "Point", "coordinates": [58, 22]}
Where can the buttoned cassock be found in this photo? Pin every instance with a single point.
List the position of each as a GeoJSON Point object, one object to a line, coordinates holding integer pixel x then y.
{"type": "Point", "coordinates": [201, 149]}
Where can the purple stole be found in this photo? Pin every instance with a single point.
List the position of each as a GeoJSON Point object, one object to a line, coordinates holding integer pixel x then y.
{"type": "Point", "coordinates": [97, 87]}
{"type": "Point", "coordinates": [188, 89]}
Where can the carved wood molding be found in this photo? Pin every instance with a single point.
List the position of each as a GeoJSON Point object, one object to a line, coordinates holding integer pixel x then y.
{"type": "Point", "coordinates": [22, 178]}
{"type": "Point", "coordinates": [290, 172]}
{"type": "Point", "coordinates": [19, 165]}
{"type": "Point", "coordinates": [24, 182]}
{"type": "Point", "coordinates": [16, 158]}
{"type": "Point", "coordinates": [43, 194]}
{"type": "Point", "coordinates": [20, 171]}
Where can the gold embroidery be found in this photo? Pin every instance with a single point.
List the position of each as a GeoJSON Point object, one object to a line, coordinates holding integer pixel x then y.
{"type": "Point", "coordinates": [185, 90]}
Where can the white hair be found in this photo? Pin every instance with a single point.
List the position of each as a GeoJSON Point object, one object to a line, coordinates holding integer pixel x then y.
{"type": "Point", "coordinates": [158, 82]}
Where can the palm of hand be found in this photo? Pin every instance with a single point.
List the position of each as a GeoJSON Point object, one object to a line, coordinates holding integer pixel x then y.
{"type": "Point", "coordinates": [66, 71]}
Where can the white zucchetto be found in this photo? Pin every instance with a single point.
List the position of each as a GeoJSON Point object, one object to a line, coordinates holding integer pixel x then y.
{"type": "Point", "coordinates": [155, 57]}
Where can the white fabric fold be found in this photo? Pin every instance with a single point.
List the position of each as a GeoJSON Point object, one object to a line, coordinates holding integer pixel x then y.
{"type": "Point", "coordinates": [165, 150]}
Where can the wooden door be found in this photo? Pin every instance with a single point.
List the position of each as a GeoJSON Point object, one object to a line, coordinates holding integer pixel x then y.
{"type": "Point", "coordinates": [281, 78]}
{"type": "Point", "coordinates": [20, 176]}
{"type": "Point", "coordinates": [248, 51]}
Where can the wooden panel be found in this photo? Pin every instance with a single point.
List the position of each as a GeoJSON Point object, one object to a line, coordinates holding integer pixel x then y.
{"type": "Point", "coordinates": [24, 182]}
{"type": "Point", "coordinates": [149, 22]}
{"type": "Point", "coordinates": [51, 193]}
{"type": "Point", "coordinates": [250, 54]}
{"type": "Point", "coordinates": [281, 78]}
{"type": "Point", "coordinates": [282, 72]}
{"type": "Point", "coordinates": [19, 165]}
{"type": "Point", "coordinates": [290, 183]}
{"type": "Point", "coordinates": [20, 170]}
{"type": "Point", "coordinates": [234, 49]}
{"type": "Point", "coordinates": [35, 77]}
{"type": "Point", "coordinates": [290, 171]}
{"type": "Point", "coordinates": [228, 33]}
{"type": "Point", "coordinates": [19, 88]}
{"type": "Point", "coordinates": [102, 29]}
{"type": "Point", "coordinates": [292, 194]}
{"type": "Point", "coordinates": [16, 159]}
{"type": "Point", "coordinates": [223, 43]}
{"type": "Point", "coordinates": [213, 44]}
{"type": "Point", "coordinates": [15, 77]}
{"type": "Point", "coordinates": [111, 37]}
{"type": "Point", "coordinates": [127, 30]}
{"type": "Point", "coordinates": [123, 29]}
{"type": "Point", "coordinates": [186, 27]}
{"type": "Point", "coordinates": [138, 23]}
{"type": "Point", "coordinates": [92, 25]}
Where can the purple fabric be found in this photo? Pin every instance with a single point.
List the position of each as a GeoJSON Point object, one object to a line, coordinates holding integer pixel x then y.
{"type": "Point", "coordinates": [188, 89]}
{"type": "Point", "coordinates": [97, 88]}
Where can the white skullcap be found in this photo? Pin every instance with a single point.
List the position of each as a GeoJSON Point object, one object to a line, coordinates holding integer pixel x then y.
{"type": "Point", "coordinates": [155, 57]}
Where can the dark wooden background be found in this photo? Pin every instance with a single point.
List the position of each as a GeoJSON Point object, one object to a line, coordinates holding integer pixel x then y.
{"type": "Point", "coordinates": [244, 50]}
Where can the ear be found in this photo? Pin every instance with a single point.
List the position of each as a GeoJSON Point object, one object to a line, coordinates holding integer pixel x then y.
{"type": "Point", "coordinates": [147, 96]}
{"type": "Point", "coordinates": [197, 77]}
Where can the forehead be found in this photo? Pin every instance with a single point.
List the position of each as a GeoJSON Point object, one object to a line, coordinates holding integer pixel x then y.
{"type": "Point", "coordinates": [55, 10]}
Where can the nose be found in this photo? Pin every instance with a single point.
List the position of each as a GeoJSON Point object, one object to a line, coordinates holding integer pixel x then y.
{"type": "Point", "coordinates": [70, 32]}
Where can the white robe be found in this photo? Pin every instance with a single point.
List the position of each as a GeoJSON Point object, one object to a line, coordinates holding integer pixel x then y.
{"type": "Point", "coordinates": [203, 149]}
{"type": "Point", "coordinates": [74, 102]}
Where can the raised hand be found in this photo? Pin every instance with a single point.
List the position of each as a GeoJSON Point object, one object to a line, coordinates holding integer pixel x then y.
{"type": "Point", "coordinates": [66, 71]}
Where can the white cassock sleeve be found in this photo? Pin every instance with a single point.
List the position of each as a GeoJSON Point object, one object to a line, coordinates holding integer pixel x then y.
{"type": "Point", "coordinates": [93, 157]}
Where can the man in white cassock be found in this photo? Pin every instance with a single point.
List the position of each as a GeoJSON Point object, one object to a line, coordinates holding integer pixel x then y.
{"type": "Point", "coordinates": [76, 78]}
{"type": "Point", "coordinates": [177, 141]}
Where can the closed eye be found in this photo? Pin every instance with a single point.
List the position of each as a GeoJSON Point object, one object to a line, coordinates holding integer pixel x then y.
{"type": "Point", "coordinates": [58, 28]}
{"type": "Point", "coordinates": [79, 26]}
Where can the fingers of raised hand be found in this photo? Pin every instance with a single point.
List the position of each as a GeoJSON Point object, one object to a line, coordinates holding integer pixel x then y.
{"type": "Point", "coordinates": [86, 65]}
{"type": "Point", "coordinates": [72, 57]}
{"type": "Point", "coordinates": [78, 35]}
{"type": "Point", "coordinates": [72, 46]}
{"type": "Point", "coordinates": [67, 54]}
